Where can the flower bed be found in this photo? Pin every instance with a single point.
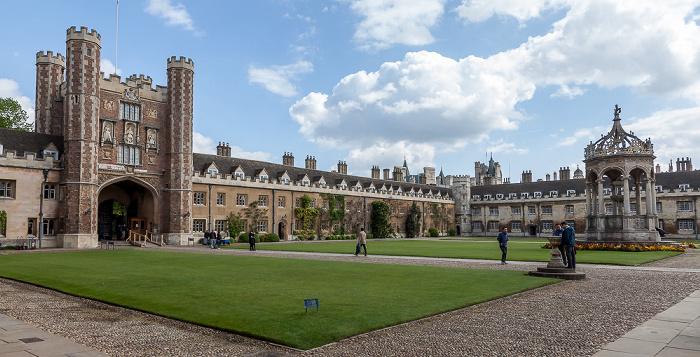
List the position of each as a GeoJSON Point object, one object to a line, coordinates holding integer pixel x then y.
{"type": "Point", "coordinates": [627, 247]}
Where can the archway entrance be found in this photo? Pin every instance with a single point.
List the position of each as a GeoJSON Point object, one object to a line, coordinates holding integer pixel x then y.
{"type": "Point", "coordinates": [281, 227]}
{"type": "Point", "coordinates": [129, 204]}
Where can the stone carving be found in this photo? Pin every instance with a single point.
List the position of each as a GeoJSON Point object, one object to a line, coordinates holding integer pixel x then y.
{"type": "Point", "coordinates": [151, 159]}
{"type": "Point", "coordinates": [108, 105]}
{"type": "Point", "coordinates": [130, 133]}
{"type": "Point", "coordinates": [131, 94]}
{"type": "Point", "coordinates": [107, 154]}
{"type": "Point", "coordinates": [107, 130]}
{"type": "Point", "coordinates": [152, 113]}
{"type": "Point", "coordinates": [151, 142]}
{"type": "Point", "coordinates": [617, 111]}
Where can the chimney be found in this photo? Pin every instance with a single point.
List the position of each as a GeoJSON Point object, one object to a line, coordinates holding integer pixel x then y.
{"type": "Point", "coordinates": [386, 174]}
{"type": "Point", "coordinates": [564, 173]}
{"type": "Point", "coordinates": [288, 159]}
{"type": "Point", "coordinates": [310, 162]}
{"type": "Point", "coordinates": [398, 174]}
{"type": "Point", "coordinates": [547, 177]}
{"type": "Point", "coordinates": [342, 168]}
{"type": "Point", "coordinates": [375, 172]}
{"type": "Point", "coordinates": [526, 177]}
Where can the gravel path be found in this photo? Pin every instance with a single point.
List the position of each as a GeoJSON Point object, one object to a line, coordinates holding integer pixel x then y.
{"type": "Point", "coordinates": [586, 314]}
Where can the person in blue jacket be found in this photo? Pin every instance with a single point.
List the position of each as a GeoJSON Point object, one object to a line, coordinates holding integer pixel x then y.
{"type": "Point", "coordinates": [503, 244]}
{"type": "Point", "coordinates": [568, 241]}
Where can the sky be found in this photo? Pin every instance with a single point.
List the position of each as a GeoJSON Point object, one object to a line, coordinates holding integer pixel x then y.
{"type": "Point", "coordinates": [439, 83]}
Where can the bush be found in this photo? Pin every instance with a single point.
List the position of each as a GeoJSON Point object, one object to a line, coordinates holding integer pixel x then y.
{"type": "Point", "coordinates": [370, 236]}
{"type": "Point", "coordinates": [243, 238]}
{"type": "Point", "coordinates": [311, 237]}
{"type": "Point", "coordinates": [270, 237]}
{"type": "Point", "coordinates": [452, 232]}
{"type": "Point", "coordinates": [433, 232]}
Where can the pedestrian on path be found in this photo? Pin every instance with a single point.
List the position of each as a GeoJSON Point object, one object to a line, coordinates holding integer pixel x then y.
{"type": "Point", "coordinates": [568, 240]}
{"type": "Point", "coordinates": [503, 244]}
{"type": "Point", "coordinates": [251, 240]}
{"type": "Point", "coordinates": [361, 242]}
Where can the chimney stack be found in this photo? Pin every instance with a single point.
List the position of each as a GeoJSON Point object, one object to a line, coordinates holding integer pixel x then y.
{"type": "Point", "coordinates": [288, 159]}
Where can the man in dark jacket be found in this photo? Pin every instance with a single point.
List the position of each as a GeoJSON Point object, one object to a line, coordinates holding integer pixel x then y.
{"type": "Point", "coordinates": [568, 241]}
{"type": "Point", "coordinates": [251, 240]}
{"type": "Point", "coordinates": [503, 244]}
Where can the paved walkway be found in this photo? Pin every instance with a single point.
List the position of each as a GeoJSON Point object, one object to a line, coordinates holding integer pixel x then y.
{"type": "Point", "coordinates": [674, 332]}
{"type": "Point", "coordinates": [18, 339]}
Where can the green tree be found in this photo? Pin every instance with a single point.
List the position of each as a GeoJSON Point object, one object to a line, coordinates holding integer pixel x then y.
{"type": "Point", "coordinates": [380, 219]}
{"type": "Point", "coordinates": [306, 215]}
{"type": "Point", "coordinates": [12, 116]}
{"type": "Point", "coordinates": [254, 215]}
{"type": "Point", "coordinates": [413, 221]}
{"type": "Point", "coordinates": [235, 224]}
{"type": "Point", "coordinates": [335, 210]}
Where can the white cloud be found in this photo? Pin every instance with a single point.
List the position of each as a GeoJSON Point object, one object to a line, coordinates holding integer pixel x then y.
{"type": "Point", "coordinates": [10, 88]}
{"type": "Point", "coordinates": [174, 15]}
{"type": "Point", "coordinates": [278, 79]}
{"type": "Point", "coordinates": [503, 147]}
{"type": "Point", "coordinates": [387, 155]}
{"type": "Point", "coordinates": [107, 67]}
{"type": "Point", "coordinates": [205, 145]}
{"type": "Point", "coordinates": [387, 22]}
{"type": "Point", "coordinates": [522, 10]}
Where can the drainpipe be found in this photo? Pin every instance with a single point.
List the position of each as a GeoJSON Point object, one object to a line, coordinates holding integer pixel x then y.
{"type": "Point", "coordinates": [273, 203]}
{"type": "Point", "coordinates": [209, 208]}
{"type": "Point", "coordinates": [41, 206]}
{"type": "Point", "coordinates": [695, 205]}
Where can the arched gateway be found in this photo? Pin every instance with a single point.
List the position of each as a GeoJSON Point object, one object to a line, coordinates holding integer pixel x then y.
{"type": "Point", "coordinates": [620, 189]}
{"type": "Point", "coordinates": [130, 202]}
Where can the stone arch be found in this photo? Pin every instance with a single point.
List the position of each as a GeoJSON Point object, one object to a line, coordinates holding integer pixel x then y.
{"type": "Point", "coordinates": [139, 198]}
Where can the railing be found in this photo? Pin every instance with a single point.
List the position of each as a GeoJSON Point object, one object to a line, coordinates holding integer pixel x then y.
{"type": "Point", "coordinates": [155, 238]}
{"type": "Point", "coordinates": [140, 240]}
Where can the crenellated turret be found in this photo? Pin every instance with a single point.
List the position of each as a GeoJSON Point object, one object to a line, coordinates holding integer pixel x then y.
{"type": "Point", "coordinates": [49, 76]}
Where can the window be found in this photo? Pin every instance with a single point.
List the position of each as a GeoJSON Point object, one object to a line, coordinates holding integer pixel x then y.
{"type": "Point", "coordinates": [285, 180]}
{"type": "Point", "coordinates": [305, 182]}
{"type": "Point", "coordinates": [240, 200]}
{"type": "Point", "coordinates": [659, 207]}
{"type": "Point", "coordinates": [262, 201]}
{"type": "Point", "coordinates": [220, 199]}
{"type": "Point", "coordinates": [571, 223]}
{"type": "Point", "coordinates": [515, 226]}
{"type": "Point", "coordinates": [547, 210]}
{"type": "Point", "coordinates": [569, 209]}
{"type": "Point", "coordinates": [31, 223]}
{"type": "Point", "coordinates": [515, 211]}
{"type": "Point", "coordinates": [240, 174]}
{"type": "Point", "coordinates": [263, 178]}
{"type": "Point", "coordinates": [297, 224]}
{"type": "Point", "coordinates": [685, 206]}
{"type": "Point", "coordinates": [525, 195]}
{"type": "Point", "coordinates": [538, 194]}
{"type": "Point", "coordinates": [476, 211]}
{"type": "Point", "coordinates": [607, 190]}
{"type": "Point", "coordinates": [608, 208]}
{"type": "Point", "coordinates": [553, 193]}
{"type": "Point", "coordinates": [499, 196]}
{"type": "Point", "coordinates": [297, 203]}
{"type": "Point", "coordinates": [493, 226]}
{"type": "Point", "coordinates": [313, 204]}
{"type": "Point", "coordinates": [659, 188]}
{"type": "Point", "coordinates": [570, 192]}
{"type": "Point", "coordinates": [280, 202]}
{"type": "Point", "coordinates": [476, 197]}
{"type": "Point", "coordinates": [220, 226]}
{"type": "Point", "coordinates": [685, 225]}
{"type": "Point", "coordinates": [129, 111]}
{"type": "Point", "coordinates": [49, 192]}
{"type": "Point", "coordinates": [48, 227]}
{"type": "Point", "coordinates": [401, 210]}
{"type": "Point", "coordinates": [512, 195]}
{"type": "Point", "coordinates": [198, 225]}
{"type": "Point", "coordinates": [213, 172]}
{"type": "Point", "coordinates": [547, 226]}
{"type": "Point", "coordinates": [487, 197]}
{"type": "Point", "coordinates": [477, 226]}
{"type": "Point", "coordinates": [324, 204]}
{"type": "Point", "coordinates": [633, 207]}
{"type": "Point", "coordinates": [199, 198]}
{"type": "Point", "coordinates": [493, 211]}
{"type": "Point", "coordinates": [531, 210]}
{"type": "Point", "coordinates": [51, 153]}
{"type": "Point", "coordinates": [129, 155]}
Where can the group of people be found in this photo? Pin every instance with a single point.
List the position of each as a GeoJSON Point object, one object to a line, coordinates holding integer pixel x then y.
{"type": "Point", "coordinates": [567, 245]}
{"type": "Point", "coordinates": [214, 239]}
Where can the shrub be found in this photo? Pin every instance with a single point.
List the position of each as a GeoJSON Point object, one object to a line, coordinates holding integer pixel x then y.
{"type": "Point", "coordinates": [370, 236]}
{"type": "Point", "coordinates": [243, 238]}
{"type": "Point", "coordinates": [311, 237]}
{"type": "Point", "coordinates": [270, 237]}
{"type": "Point", "coordinates": [452, 232]}
{"type": "Point", "coordinates": [433, 232]}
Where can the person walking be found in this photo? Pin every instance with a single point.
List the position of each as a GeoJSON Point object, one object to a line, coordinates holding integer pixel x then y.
{"type": "Point", "coordinates": [562, 254]}
{"type": "Point", "coordinates": [251, 240]}
{"type": "Point", "coordinates": [503, 244]}
{"type": "Point", "coordinates": [361, 242]}
{"type": "Point", "coordinates": [568, 240]}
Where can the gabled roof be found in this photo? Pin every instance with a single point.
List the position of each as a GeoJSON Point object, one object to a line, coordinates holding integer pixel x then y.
{"type": "Point", "coordinates": [22, 141]}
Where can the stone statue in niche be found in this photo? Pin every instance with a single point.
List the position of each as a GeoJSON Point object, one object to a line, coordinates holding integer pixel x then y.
{"type": "Point", "coordinates": [151, 136]}
{"type": "Point", "coordinates": [130, 133]}
{"type": "Point", "coordinates": [107, 129]}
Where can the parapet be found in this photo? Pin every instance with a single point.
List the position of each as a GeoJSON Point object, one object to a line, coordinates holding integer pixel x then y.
{"type": "Point", "coordinates": [182, 62]}
{"type": "Point", "coordinates": [48, 57]}
{"type": "Point", "coordinates": [140, 80]}
{"type": "Point", "coordinates": [73, 34]}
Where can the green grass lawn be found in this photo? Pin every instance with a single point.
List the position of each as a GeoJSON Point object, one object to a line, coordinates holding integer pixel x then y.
{"type": "Point", "coordinates": [524, 251]}
{"type": "Point", "coordinates": [264, 297]}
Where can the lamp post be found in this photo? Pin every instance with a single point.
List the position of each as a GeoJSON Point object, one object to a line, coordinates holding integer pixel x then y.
{"type": "Point", "coordinates": [210, 208]}
{"type": "Point", "coordinates": [41, 204]}
{"type": "Point", "coordinates": [695, 206]}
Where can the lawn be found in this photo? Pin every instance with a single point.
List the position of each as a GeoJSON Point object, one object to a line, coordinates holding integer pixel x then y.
{"type": "Point", "coordinates": [517, 250]}
{"type": "Point", "coordinates": [264, 297]}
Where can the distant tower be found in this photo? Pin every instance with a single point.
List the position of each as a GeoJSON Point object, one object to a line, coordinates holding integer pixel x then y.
{"type": "Point", "coordinates": [49, 76]}
{"type": "Point", "coordinates": [176, 217]}
{"type": "Point", "coordinates": [342, 168]}
{"type": "Point", "coordinates": [81, 135]}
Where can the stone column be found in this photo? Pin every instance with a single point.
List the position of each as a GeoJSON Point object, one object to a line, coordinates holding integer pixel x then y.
{"type": "Point", "coordinates": [601, 204]}
{"type": "Point", "coordinates": [626, 193]}
{"type": "Point", "coordinates": [638, 196]}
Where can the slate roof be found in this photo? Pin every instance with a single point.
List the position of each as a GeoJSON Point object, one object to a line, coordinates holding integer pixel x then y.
{"type": "Point", "coordinates": [249, 167]}
{"type": "Point", "coordinates": [22, 141]}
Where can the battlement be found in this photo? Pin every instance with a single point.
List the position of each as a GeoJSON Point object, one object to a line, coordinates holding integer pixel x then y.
{"type": "Point", "coordinates": [114, 83]}
{"type": "Point", "coordinates": [141, 79]}
{"type": "Point", "coordinates": [73, 34]}
{"type": "Point", "coordinates": [182, 62]}
{"type": "Point", "coordinates": [48, 57]}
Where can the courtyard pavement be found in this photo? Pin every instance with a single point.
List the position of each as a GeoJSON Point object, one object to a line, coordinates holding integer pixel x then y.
{"type": "Point", "coordinates": [661, 299]}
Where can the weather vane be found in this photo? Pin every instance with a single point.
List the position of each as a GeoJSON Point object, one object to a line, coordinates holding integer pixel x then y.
{"type": "Point", "coordinates": [617, 111]}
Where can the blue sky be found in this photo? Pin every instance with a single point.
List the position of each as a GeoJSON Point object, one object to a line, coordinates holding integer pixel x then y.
{"type": "Point", "coordinates": [444, 83]}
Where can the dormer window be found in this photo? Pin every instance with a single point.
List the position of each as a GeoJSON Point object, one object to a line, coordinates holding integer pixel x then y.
{"type": "Point", "coordinates": [512, 195]}
{"type": "Point", "coordinates": [305, 182]}
{"type": "Point", "coordinates": [46, 153]}
{"type": "Point", "coordinates": [487, 197]}
{"type": "Point", "coordinates": [213, 172]}
{"type": "Point", "coordinates": [538, 194]}
{"type": "Point", "coordinates": [476, 197]}
{"type": "Point", "coordinates": [343, 186]}
{"type": "Point", "coordinates": [659, 188]}
{"type": "Point", "coordinates": [607, 191]}
{"type": "Point", "coordinates": [323, 184]}
{"type": "Point", "coordinates": [684, 186]}
{"type": "Point", "coordinates": [358, 188]}
{"type": "Point", "coordinates": [553, 193]}
{"type": "Point", "coordinates": [570, 192]}
{"type": "Point", "coordinates": [525, 195]}
{"type": "Point", "coordinates": [240, 174]}
{"type": "Point", "coordinates": [263, 178]}
{"type": "Point", "coordinates": [499, 196]}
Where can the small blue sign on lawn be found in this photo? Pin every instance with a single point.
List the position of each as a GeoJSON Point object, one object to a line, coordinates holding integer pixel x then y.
{"type": "Point", "coordinates": [310, 303]}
